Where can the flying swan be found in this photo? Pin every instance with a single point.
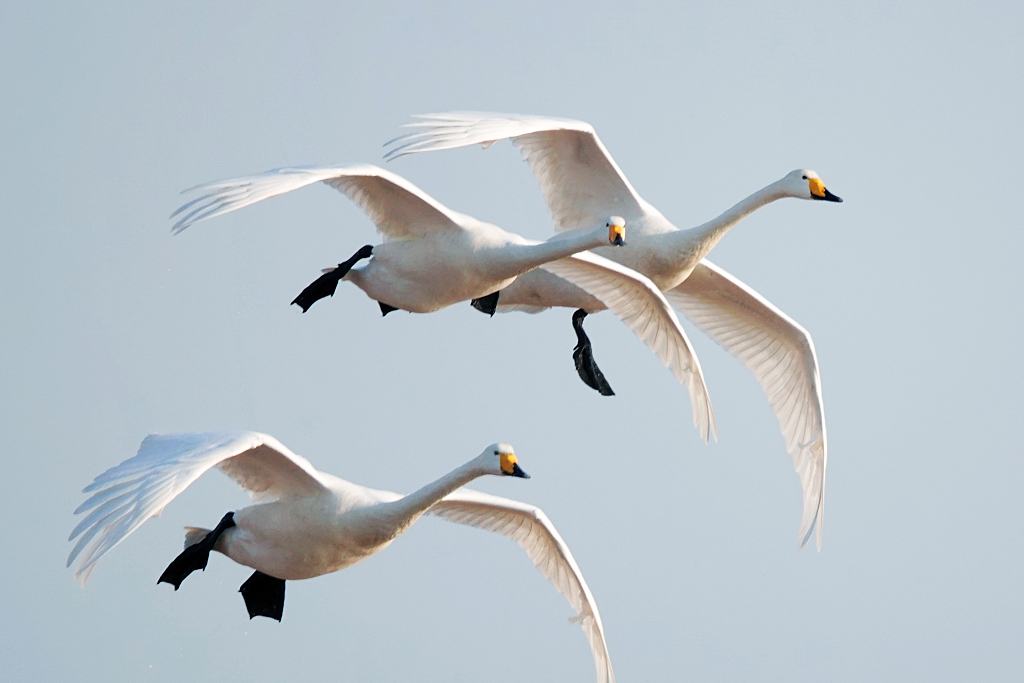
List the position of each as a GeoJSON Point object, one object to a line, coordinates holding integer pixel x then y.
{"type": "Point", "coordinates": [305, 523]}
{"type": "Point", "coordinates": [580, 180]}
{"type": "Point", "coordinates": [433, 257]}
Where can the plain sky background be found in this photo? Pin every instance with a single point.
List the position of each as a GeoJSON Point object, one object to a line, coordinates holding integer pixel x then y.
{"type": "Point", "coordinates": [912, 289]}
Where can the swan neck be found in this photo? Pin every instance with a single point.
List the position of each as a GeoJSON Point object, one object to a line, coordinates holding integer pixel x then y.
{"type": "Point", "coordinates": [711, 232]}
{"type": "Point", "coordinates": [416, 503]}
{"type": "Point", "coordinates": [526, 256]}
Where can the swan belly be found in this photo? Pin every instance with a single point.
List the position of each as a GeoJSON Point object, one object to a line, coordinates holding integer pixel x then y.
{"type": "Point", "coordinates": [301, 539]}
{"type": "Point", "coordinates": [420, 277]}
{"type": "Point", "coordinates": [538, 289]}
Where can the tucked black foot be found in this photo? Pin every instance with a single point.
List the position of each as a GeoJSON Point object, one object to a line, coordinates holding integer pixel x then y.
{"type": "Point", "coordinates": [583, 355]}
{"type": "Point", "coordinates": [263, 595]}
{"type": "Point", "coordinates": [195, 556]}
{"type": "Point", "coordinates": [326, 284]}
{"type": "Point", "coordinates": [487, 304]}
{"type": "Point", "coordinates": [385, 308]}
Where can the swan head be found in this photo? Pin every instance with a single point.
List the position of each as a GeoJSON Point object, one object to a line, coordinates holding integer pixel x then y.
{"type": "Point", "coordinates": [806, 184]}
{"type": "Point", "coordinates": [500, 459]}
{"type": "Point", "coordinates": [616, 230]}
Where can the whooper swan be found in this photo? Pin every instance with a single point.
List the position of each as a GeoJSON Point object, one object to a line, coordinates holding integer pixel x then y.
{"type": "Point", "coordinates": [305, 523]}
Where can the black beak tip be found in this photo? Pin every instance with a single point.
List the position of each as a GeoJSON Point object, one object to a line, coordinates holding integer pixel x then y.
{"type": "Point", "coordinates": [517, 471]}
{"type": "Point", "coordinates": [829, 197]}
{"type": "Point", "coordinates": [618, 241]}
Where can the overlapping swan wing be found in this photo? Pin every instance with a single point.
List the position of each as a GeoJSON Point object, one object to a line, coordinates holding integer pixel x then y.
{"type": "Point", "coordinates": [634, 300]}
{"type": "Point", "coordinates": [581, 183]}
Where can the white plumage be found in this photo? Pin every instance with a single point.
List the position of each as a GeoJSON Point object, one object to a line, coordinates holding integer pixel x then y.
{"type": "Point", "coordinates": [433, 257]}
{"type": "Point", "coordinates": [305, 523]}
{"type": "Point", "coordinates": [579, 179]}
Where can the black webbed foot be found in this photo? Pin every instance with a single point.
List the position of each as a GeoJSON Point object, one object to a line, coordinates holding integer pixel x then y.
{"type": "Point", "coordinates": [487, 304]}
{"type": "Point", "coordinates": [386, 308]}
{"type": "Point", "coordinates": [583, 355]}
{"type": "Point", "coordinates": [263, 595]}
{"type": "Point", "coordinates": [326, 284]}
{"type": "Point", "coordinates": [195, 556]}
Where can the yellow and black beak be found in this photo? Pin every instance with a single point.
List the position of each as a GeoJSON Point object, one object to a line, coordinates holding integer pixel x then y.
{"type": "Point", "coordinates": [617, 234]}
{"type": "Point", "coordinates": [510, 466]}
{"type": "Point", "coordinates": [819, 191]}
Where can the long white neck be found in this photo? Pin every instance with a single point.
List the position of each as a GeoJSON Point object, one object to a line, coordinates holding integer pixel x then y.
{"type": "Point", "coordinates": [519, 258]}
{"type": "Point", "coordinates": [408, 509]}
{"type": "Point", "coordinates": [703, 238]}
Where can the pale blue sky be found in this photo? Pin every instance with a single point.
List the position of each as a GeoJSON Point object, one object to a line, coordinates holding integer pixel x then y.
{"type": "Point", "coordinates": [912, 290]}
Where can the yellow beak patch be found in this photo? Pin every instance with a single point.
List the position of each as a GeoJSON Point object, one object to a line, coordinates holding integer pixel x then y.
{"type": "Point", "coordinates": [616, 233]}
{"type": "Point", "coordinates": [508, 461]}
{"type": "Point", "coordinates": [817, 187]}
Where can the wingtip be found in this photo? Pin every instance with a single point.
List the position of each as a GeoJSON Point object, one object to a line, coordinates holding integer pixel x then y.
{"type": "Point", "coordinates": [81, 575]}
{"type": "Point", "coordinates": [706, 423]}
{"type": "Point", "coordinates": [805, 534]}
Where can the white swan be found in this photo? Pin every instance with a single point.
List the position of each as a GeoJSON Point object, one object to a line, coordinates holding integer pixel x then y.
{"type": "Point", "coordinates": [433, 257]}
{"type": "Point", "coordinates": [306, 523]}
{"type": "Point", "coordinates": [579, 179]}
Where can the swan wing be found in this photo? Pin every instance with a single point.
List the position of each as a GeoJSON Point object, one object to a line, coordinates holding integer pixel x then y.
{"type": "Point", "coordinates": [581, 183]}
{"type": "Point", "coordinates": [634, 300]}
{"type": "Point", "coordinates": [781, 355]}
{"type": "Point", "coordinates": [399, 209]}
{"type": "Point", "coordinates": [127, 495]}
{"type": "Point", "coordinates": [533, 531]}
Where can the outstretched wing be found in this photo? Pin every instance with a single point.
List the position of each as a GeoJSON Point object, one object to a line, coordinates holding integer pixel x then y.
{"type": "Point", "coordinates": [581, 183]}
{"type": "Point", "coordinates": [533, 531]}
{"type": "Point", "coordinates": [127, 495]}
{"type": "Point", "coordinates": [399, 209]}
{"type": "Point", "coordinates": [635, 300]}
{"type": "Point", "coordinates": [781, 355]}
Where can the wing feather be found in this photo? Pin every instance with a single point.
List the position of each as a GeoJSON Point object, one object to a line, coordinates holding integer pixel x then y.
{"type": "Point", "coordinates": [635, 301]}
{"type": "Point", "coordinates": [581, 183]}
{"type": "Point", "coordinates": [399, 209]}
{"type": "Point", "coordinates": [780, 354]}
{"type": "Point", "coordinates": [127, 495]}
{"type": "Point", "coordinates": [529, 527]}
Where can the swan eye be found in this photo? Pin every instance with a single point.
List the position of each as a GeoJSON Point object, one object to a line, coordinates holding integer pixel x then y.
{"type": "Point", "coordinates": [805, 177]}
{"type": "Point", "coordinates": [495, 452]}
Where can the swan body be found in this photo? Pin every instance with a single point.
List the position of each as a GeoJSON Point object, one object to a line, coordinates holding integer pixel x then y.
{"type": "Point", "coordinates": [305, 523]}
{"type": "Point", "coordinates": [579, 178]}
{"type": "Point", "coordinates": [433, 257]}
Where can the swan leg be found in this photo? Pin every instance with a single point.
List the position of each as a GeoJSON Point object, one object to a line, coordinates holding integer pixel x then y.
{"type": "Point", "coordinates": [583, 355]}
{"type": "Point", "coordinates": [325, 285]}
{"type": "Point", "coordinates": [487, 304]}
{"type": "Point", "coordinates": [195, 556]}
{"type": "Point", "coordinates": [263, 595]}
{"type": "Point", "coordinates": [386, 308]}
